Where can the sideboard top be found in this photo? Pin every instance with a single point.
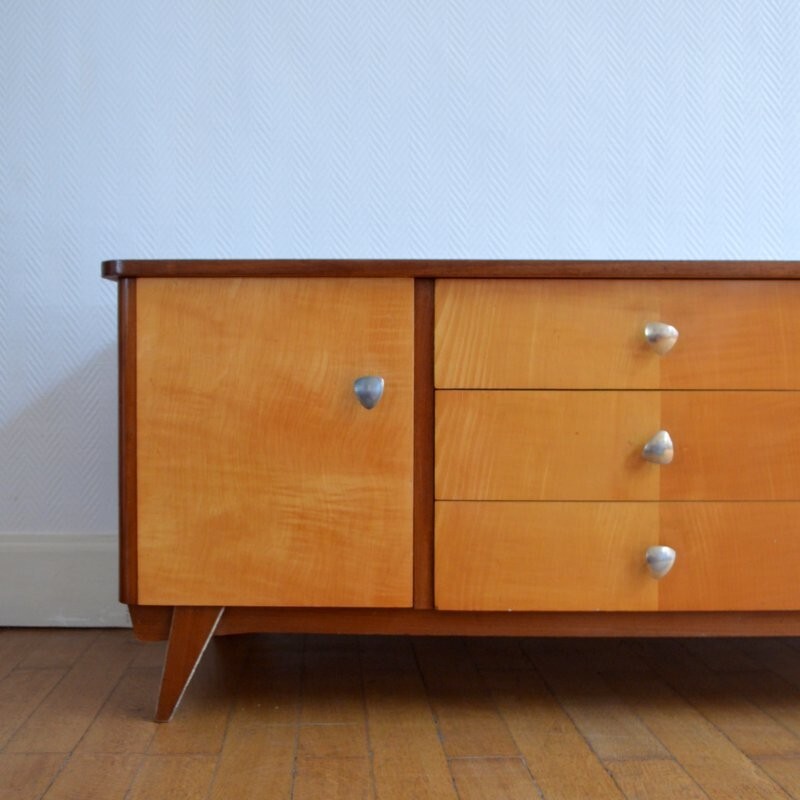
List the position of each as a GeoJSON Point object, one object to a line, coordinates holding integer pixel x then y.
{"type": "Point", "coordinates": [431, 268]}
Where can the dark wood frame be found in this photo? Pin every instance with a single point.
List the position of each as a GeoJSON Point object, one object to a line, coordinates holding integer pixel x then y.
{"type": "Point", "coordinates": [397, 268]}
{"type": "Point", "coordinates": [189, 628]}
{"type": "Point", "coordinates": [128, 564]}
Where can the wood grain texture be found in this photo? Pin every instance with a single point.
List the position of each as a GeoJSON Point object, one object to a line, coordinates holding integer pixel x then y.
{"type": "Point", "coordinates": [467, 729]}
{"type": "Point", "coordinates": [151, 623]}
{"type": "Point", "coordinates": [20, 693]}
{"type": "Point", "coordinates": [545, 556]}
{"type": "Point", "coordinates": [423, 443]}
{"type": "Point", "coordinates": [246, 403]}
{"type": "Point", "coordinates": [125, 723]}
{"type": "Point", "coordinates": [732, 445]}
{"type": "Point", "coordinates": [493, 623]}
{"type": "Point", "coordinates": [95, 777]}
{"type": "Point", "coordinates": [191, 629]}
{"type": "Point", "coordinates": [432, 622]}
{"type": "Point", "coordinates": [654, 779]}
{"type": "Point", "coordinates": [561, 761]}
{"type": "Point", "coordinates": [705, 753]}
{"type": "Point", "coordinates": [750, 728]}
{"type": "Point", "coordinates": [731, 556]}
{"type": "Point", "coordinates": [589, 718]}
{"type": "Point", "coordinates": [432, 268]}
{"type": "Point", "coordinates": [588, 334]}
{"type": "Point", "coordinates": [186, 776]}
{"type": "Point", "coordinates": [501, 334]}
{"type": "Point", "coordinates": [545, 445]}
{"type": "Point", "coordinates": [590, 556]}
{"type": "Point", "coordinates": [61, 720]}
{"type": "Point", "coordinates": [482, 778]}
{"type": "Point", "coordinates": [408, 757]}
{"type": "Point", "coordinates": [256, 762]}
{"type": "Point", "coordinates": [784, 771]}
{"type": "Point", "coordinates": [561, 445]}
{"type": "Point", "coordinates": [128, 565]}
{"type": "Point", "coordinates": [611, 728]}
{"type": "Point", "coordinates": [26, 776]}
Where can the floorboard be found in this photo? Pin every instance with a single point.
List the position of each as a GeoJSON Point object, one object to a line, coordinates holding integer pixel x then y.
{"type": "Point", "coordinates": [296, 717]}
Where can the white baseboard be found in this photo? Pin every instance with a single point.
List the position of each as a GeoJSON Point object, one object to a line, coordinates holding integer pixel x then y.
{"type": "Point", "coordinates": [60, 579]}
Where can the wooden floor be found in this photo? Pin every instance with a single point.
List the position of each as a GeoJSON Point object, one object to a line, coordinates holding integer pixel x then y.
{"type": "Point", "coordinates": [370, 717]}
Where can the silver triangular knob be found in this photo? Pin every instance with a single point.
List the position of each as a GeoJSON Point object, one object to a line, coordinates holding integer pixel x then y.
{"type": "Point", "coordinates": [369, 390]}
{"type": "Point", "coordinates": [660, 560]}
{"type": "Point", "coordinates": [659, 449]}
{"type": "Point", "coordinates": [660, 336]}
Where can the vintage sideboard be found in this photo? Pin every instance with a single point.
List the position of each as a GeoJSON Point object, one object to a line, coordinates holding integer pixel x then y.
{"type": "Point", "coordinates": [467, 447]}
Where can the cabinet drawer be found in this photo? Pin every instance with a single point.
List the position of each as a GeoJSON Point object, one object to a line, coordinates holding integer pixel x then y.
{"type": "Point", "coordinates": [591, 556]}
{"type": "Point", "coordinates": [566, 445]}
{"type": "Point", "coordinates": [588, 334]}
{"type": "Point", "coordinates": [545, 556]}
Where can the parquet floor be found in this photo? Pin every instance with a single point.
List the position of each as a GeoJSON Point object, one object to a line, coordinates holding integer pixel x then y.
{"type": "Point", "coordinates": [370, 717]}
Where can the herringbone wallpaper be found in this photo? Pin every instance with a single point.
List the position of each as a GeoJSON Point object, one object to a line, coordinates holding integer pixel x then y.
{"type": "Point", "coordinates": [525, 128]}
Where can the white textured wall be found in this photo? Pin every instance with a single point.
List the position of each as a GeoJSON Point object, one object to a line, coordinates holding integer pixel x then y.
{"type": "Point", "coordinates": [557, 129]}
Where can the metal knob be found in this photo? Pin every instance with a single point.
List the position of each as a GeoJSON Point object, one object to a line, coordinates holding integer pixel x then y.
{"type": "Point", "coordinates": [660, 336]}
{"type": "Point", "coordinates": [369, 390]}
{"type": "Point", "coordinates": [659, 449]}
{"type": "Point", "coordinates": [660, 560]}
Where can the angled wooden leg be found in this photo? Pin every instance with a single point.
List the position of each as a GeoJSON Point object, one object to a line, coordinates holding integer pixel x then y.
{"type": "Point", "coordinates": [191, 629]}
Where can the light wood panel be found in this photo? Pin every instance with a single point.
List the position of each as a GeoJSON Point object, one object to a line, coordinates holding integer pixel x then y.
{"type": "Point", "coordinates": [261, 480]}
{"type": "Point", "coordinates": [559, 445]}
{"type": "Point", "coordinates": [732, 445]}
{"type": "Point", "coordinates": [731, 556]}
{"type": "Point", "coordinates": [733, 334]}
{"type": "Point", "coordinates": [589, 334]}
{"type": "Point", "coordinates": [590, 556]}
{"type": "Point", "coordinates": [497, 334]}
{"type": "Point", "coordinates": [545, 445]}
{"type": "Point", "coordinates": [545, 556]}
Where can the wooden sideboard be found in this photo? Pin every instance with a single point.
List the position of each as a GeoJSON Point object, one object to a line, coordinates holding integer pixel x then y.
{"type": "Point", "coordinates": [498, 484]}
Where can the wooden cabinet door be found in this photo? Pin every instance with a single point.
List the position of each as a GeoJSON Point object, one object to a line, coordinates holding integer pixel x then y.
{"type": "Point", "coordinates": [261, 480]}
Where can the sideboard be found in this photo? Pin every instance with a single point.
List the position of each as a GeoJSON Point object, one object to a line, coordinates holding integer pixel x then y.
{"type": "Point", "coordinates": [457, 447]}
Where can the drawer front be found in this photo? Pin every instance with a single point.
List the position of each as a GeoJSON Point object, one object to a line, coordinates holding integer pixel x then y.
{"type": "Point", "coordinates": [545, 556]}
{"type": "Point", "coordinates": [588, 334]}
{"type": "Point", "coordinates": [562, 445]}
{"type": "Point", "coordinates": [591, 556]}
{"type": "Point", "coordinates": [731, 556]}
{"type": "Point", "coordinates": [261, 479]}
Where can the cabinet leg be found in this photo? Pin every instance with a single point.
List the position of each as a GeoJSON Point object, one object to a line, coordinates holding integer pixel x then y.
{"type": "Point", "coordinates": [191, 629]}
